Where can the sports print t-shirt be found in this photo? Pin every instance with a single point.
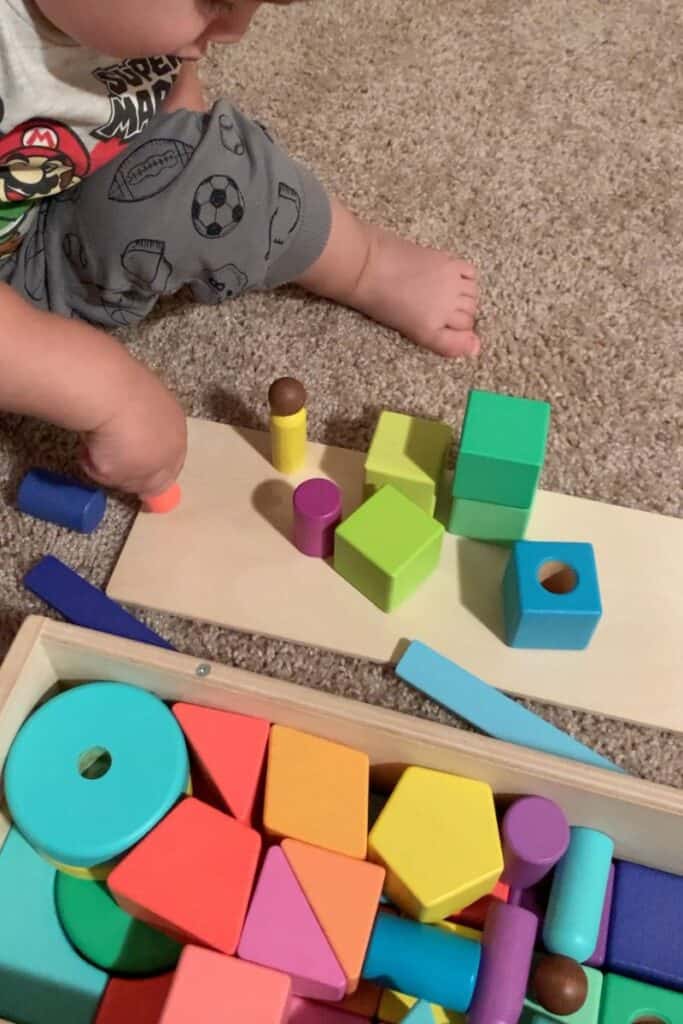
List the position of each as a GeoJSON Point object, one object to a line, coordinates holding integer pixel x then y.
{"type": "Point", "coordinates": [64, 111]}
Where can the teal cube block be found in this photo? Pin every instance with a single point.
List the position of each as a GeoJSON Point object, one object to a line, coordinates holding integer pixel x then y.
{"type": "Point", "coordinates": [551, 595]}
{"type": "Point", "coordinates": [482, 520]}
{"type": "Point", "coordinates": [409, 453]}
{"type": "Point", "coordinates": [387, 548]}
{"type": "Point", "coordinates": [502, 448]}
{"type": "Point", "coordinates": [42, 978]}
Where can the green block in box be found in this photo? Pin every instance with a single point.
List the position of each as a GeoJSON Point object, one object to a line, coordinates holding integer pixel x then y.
{"type": "Point", "coordinates": [502, 448]}
{"type": "Point", "coordinates": [636, 1002]}
{"type": "Point", "coordinates": [409, 453]}
{"type": "Point", "coordinates": [482, 520]}
{"type": "Point", "coordinates": [387, 548]}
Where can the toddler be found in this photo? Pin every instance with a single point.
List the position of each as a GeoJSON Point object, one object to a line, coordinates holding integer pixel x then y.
{"type": "Point", "coordinates": [117, 186]}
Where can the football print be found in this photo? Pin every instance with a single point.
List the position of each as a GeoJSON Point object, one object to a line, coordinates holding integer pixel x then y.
{"type": "Point", "coordinates": [217, 207]}
{"type": "Point", "coordinates": [149, 169]}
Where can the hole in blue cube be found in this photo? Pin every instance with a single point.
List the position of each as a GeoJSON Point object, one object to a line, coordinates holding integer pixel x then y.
{"type": "Point", "coordinates": [557, 577]}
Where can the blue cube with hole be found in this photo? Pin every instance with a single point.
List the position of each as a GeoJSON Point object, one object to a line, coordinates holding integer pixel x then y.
{"type": "Point", "coordinates": [551, 595]}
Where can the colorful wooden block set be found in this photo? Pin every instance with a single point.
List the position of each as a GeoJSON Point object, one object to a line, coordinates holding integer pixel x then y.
{"type": "Point", "coordinates": [170, 862]}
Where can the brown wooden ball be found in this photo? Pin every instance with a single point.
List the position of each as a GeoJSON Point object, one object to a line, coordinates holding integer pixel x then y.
{"type": "Point", "coordinates": [559, 985]}
{"type": "Point", "coordinates": [286, 396]}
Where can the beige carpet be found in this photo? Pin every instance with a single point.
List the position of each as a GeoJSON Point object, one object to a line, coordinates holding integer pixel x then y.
{"type": "Point", "coordinates": [540, 138]}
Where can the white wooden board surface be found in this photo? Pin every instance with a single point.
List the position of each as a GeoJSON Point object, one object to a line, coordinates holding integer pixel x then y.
{"type": "Point", "coordinates": [224, 556]}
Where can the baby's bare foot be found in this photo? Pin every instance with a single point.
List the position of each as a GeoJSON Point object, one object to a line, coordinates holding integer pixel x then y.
{"type": "Point", "coordinates": [427, 295]}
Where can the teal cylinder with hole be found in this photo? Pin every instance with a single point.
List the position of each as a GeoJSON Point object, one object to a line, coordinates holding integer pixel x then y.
{"type": "Point", "coordinates": [93, 770]}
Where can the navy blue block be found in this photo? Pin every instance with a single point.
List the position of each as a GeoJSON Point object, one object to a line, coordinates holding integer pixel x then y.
{"type": "Point", "coordinates": [83, 604]}
{"type": "Point", "coordinates": [60, 499]}
{"type": "Point", "coordinates": [646, 930]}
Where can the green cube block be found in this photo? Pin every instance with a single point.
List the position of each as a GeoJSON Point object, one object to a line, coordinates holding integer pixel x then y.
{"type": "Point", "coordinates": [387, 548]}
{"type": "Point", "coordinates": [502, 447]}
{"type": "Point", "coordinates": [482, 520]}
{"type": "Point", "coordinates": [409, 453]}
{"type": "Point", "coordinates": [624, 999]}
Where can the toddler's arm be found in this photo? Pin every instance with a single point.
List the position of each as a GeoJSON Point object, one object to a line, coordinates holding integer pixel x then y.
{"type": "Point", "coordinates": [80, 378]}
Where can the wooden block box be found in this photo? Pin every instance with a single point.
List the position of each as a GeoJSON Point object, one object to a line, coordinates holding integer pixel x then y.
{"type": "Point", "coordinates": [644, 819]}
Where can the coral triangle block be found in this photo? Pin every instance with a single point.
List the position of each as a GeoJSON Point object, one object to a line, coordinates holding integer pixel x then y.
{"type": "Point", "coordinates": [230, 750]}
{"type": "Point", "coordinates": [281, 931]}
{"type": "Point", "coordinates": [344, 895]}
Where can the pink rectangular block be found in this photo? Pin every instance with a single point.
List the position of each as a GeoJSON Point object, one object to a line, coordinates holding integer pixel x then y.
{"type": "Point", "coordinates": [305, 1011]}
{"type": "Point", "coordinates": [220, 989]}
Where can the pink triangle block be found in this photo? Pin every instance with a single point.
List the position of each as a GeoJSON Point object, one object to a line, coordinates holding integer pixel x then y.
{"type": "Point", "coordinates": [281, 931]}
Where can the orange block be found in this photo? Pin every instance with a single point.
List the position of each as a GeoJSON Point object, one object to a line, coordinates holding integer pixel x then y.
{"type": "Point", "coordinates": [230, 749]}
{"type": "Point", "coordinates": [134, 1000]}
{"type": "Point", "coordinates": [344, 896]}
{"type": "Point", "coordinates": [220, 989]}
{"type": "Point", "coordinates": [164, 502]}
{"type": "Point", "coordinates": [191, 876]}
{"type": "Point", "coordinates": [316, 791]}
{"type": "Point", "coordinates": [474, 916]}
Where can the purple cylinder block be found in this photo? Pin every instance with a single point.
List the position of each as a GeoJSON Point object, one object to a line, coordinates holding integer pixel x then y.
{"type": "Point", "coordinates": [507, 951]}
{"type": "Point", "coordinates": [317, 513]}
{"type": "Point", "coordinates": [598, 957]}
{"type": "Point", "coordinates": [535, 836]}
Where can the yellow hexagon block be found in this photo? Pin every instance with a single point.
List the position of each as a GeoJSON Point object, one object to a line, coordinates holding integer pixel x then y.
{"type": "Point", "coordinates": [438, 839]}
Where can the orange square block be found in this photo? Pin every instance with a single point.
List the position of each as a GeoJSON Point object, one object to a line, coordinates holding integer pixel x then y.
{"type": "Point", "coordinates": [220, 989]}
{"type": "Point", "coordinates": [344, 895]}
{"type": "Point", "coordinates": [474, 916]}
{"type": "Point", "coordinates": [191, 876]}
{"type": "Point", "coordinates": [316, 791]}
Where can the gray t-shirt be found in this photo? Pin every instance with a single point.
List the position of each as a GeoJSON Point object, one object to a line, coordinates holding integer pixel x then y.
{"type": "Point", "coordinates": [64, 111]}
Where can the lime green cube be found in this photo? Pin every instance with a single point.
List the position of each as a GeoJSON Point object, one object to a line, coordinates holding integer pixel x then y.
{"type": "Point", "coordinates": [387, 548]}
{"type": "Point", "coordinates": [409, 453]}
{"type": "Point", "coordinates": [482, 520]}
{"type": "Point", "coordinates": [502, 448]}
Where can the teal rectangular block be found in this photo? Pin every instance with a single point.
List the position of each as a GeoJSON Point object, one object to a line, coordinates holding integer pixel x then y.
{"type": "Point", "coordinates": [502, 448]}
{"type": "Point", "coordinates": [42, 978]}
{"type": "Point", "coordinates": [482, 520]}
{"type": "Point", "coordinates": [409, 453]}
{"type": "Point", "coordinates": [486, 707]}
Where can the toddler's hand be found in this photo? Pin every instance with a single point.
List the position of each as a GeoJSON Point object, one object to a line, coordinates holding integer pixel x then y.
{"type": "Point", "coordinates": [141, 447]}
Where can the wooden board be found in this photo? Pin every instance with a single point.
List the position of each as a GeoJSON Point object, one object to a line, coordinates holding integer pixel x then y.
{"type": "Point", "coordinates": [225, 557]}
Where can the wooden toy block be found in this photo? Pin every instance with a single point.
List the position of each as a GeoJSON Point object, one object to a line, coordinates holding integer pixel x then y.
{"type": "Point", "coordinates": [597, 959]}
{"type": "Point", "coordinates": [502, 448]}
{"type": "Point", "coordinates": [88, 742]}
{"type": "Point", "coordinates": [482, 520]}
{"type": "Point", "coordinates": [192, 876]}
{"type": "Point", "coordinates": [287, 400]}
{"type": "Point", "coordinates": [230, 749]}
{"type": "Point", "coordinates": [423, 961]}
{"type": "Point", "coordinates": [163, 503]}
{"type": "Point", "coordinates": [220, 989]}
{"type": "Point", "coordinates": [507, 951]}
{"type": "Point", "coordinates": [62, 500]}
{"type": "Point", "coordinates": [317, 510]}
{"type": "Point", "coordinates": [535, 834]}
{"type": "Point", "coordinates": [589, 1013]}
{"type": "Point", "coordinates": [316, 791]}
{"type": "Point", "coordinates": [344, 895]}
{"type": "Point", "coordinates": [395, 1006]}
{"type": "Point", "coordinates": [306, 1011]}
{"type": "Point", "coordinates": [42, 978]}
{"type": "Point", "coordinates": [463, 930]}
{"type": "Point", "coordinates": [364, 1001]}
{"type": "Point", "coordinates": [624, 999]}
{"type": "Point", "coordinates": [105, 934]}
{"type": "Point", "coordinates": [84, 605]}
{"type": "Point", "coordinates": [387, 548]}
{"type": "Point", "coordinates": [486, 707]}
{"type": "Point", "coordinates": [645, 935]}
{"type": "Point", "coordinates": [281, 931]}
{"type": "Point", "coordinates": [431, 871]}
{"type": "Point", "coordinates": [551, 596]}
{"type": "Point", "coordinates": [420, 1013]}
{"type": "Point", "coordinates": [409, 453]}
{"type": "Point", "coordinates": [134, 1000]}
{"type": "Point", "coordinates": [475, 915]}
{"type": "Point", "coordinates": [577, 895]}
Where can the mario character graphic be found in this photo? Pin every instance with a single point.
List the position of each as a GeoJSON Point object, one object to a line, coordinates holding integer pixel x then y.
{"type": "Point", "coordinates": [38, 158]}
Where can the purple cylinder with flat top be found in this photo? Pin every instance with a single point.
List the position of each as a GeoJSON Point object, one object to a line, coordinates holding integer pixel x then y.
{"type": "Point", "coordinates": [507, 951]}
{"type": "Point", "coordinates": [535, 836]}
{"type": "Point", "coordinates": [317, 513]}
